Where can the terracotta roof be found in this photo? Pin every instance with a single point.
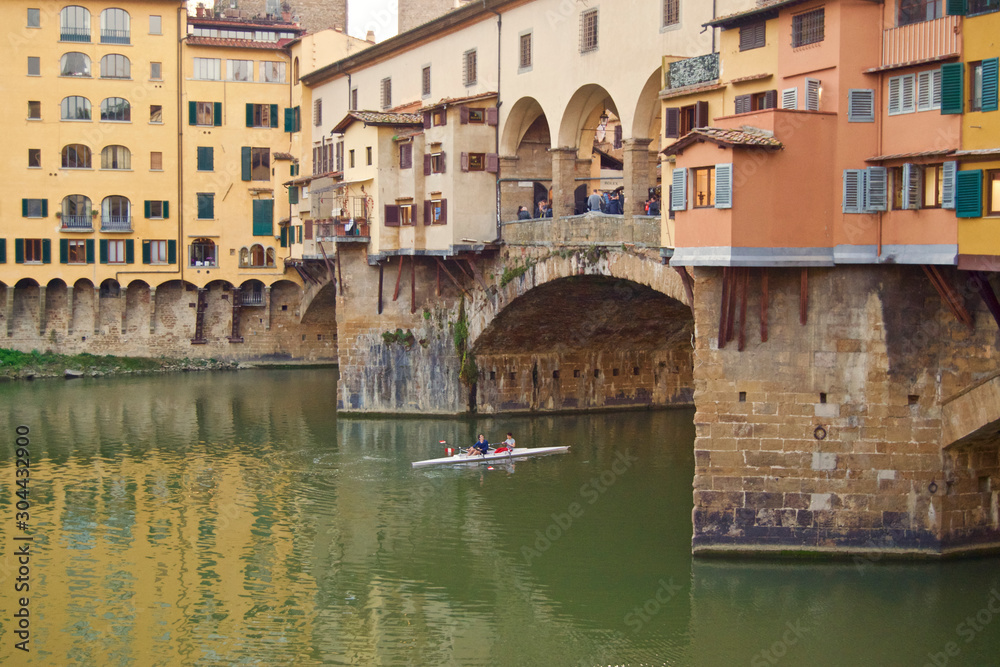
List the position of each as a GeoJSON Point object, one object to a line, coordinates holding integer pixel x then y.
{"type": "Point", "coordinates": [379, 118]}
{"type": "Point", "coordinates": [913, 63]}
{"type": "Point", "coordinates": [743, 138]}
{"type": "Point", "coordinates": [670, 93]}
{"type": "Point", "coordinates": [752, 77]}
{"type": "Point", "coordinates": [458, 100]}
{"type": "Point", "coordinates": [763, 7]}
{"type": "Point", "coordinates": [978, 151]}
{"type": "Point", "coordinates": [902, 156]}
{"type": "Point", "coordinates": [240, 23]}
{"type": "Point", "coordinates": [236, 43]}
{"type": "Point", "coordinates": [407, 134]}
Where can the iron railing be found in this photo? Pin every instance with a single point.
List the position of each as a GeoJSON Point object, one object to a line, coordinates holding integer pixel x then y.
{"type": "Point", "coordinates": [116, 223]}
{"type": "Point", "coordinates": [109, 36]}
{"type": "Point", "coordinates": [79, 222]}
{"type": "Point", "coordinates": [68, 34]}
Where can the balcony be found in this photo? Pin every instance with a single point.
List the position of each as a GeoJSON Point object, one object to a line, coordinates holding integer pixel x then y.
{"type": "Point", "coordinates": [252, 298]}
{"type": "Point", "coordinates": [116, 223]}
{"type": "Point", "coordinates": [109, 36]}
{"type": "Point", "coordinates": [70, 34]}
{"type": "Point", "coordinates": [921, 42]}
{"type": "Point", "coordinates": [337, 230]}
{"type": "Point", "coordinates": [77, 223]}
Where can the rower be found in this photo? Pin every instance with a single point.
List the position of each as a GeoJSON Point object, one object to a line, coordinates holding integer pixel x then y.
{"type": "Point", "coordinates": [480, 447]}
{"type": "Point", "coordinates": [507, 445]}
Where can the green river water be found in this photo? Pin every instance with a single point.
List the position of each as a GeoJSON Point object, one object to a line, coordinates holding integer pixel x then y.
{"type": "Point", "coordinates": [234, 519]}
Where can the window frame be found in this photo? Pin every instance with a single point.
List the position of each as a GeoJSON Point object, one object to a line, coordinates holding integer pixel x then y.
{"type": "Point", "coordinates": [804, 34]}
{"type": "Point", "coordinates": [35, 203]}
{"type": "Point", "coordinates": [37, 251]}
{"type": "Point", "coordinates": [203, 245]}
{"type": "Point", "coordinates": [590, 30]}
{"type": "Point", "coordinates": [260, 163]}
{"type": "Point", "coordinates": [385, 87]}
{"type": "Point", "coordinates": [205, 201]}
{"type": "Point", "coordinates": [124, 156]}
{"type": "Point", "coordinates": [525, 51]}
{"type": "Point", "coordinates": [155, 110]}
{"type": "Point", "coordinates": [154, 158]}
{"type": "Point", "coordinates": [116, 251]}
{"type": "Point", "coordinates": [158, 20]}
{"type": "Point", "coordinates": [270, 65]}
{"type": "Point", "coordinates": [34, 66]}
{"type": "Point", "coordinates": [231, 70]}
{"type": "Point", "coordinates": [124, 109]}
{"type": "Point", "coordinates": [671, 14]}
{"type": "Point", "coordinates": [425, 82]}
{"type": "Point", "coordinates": [709, 176]}
{"type": "Point", "coordinates": [470, 68]}
{"type": "Point", "coordinates": [155, 71]}
{"type": "Point", "coordinates": [210, 66]}
{"type": "Point", "coordinates": [35, 110]}
{"type": "Point", "coordinates": [87, 72]}
{"type": "Point", "coordinates": [83, 157]}
{"type": "Point", "coordinates": [34, 155]}
{"type": "Point", "coordinates": [936, 5]}
{"type": "Point", "coordinates": [992, 203]}
{"type": "Point", "coordinates": [975, 85]}
{"type": "Point", "coordinates": [76, 251]}
{"type": "Point", "coordinates": [159, 251]}
{"type": "Point", "coordinates": [756, 39]}
{"type": "Point", "coordinates": [114, 57]}
{"type": "Point", "coordinates": [36, 14]}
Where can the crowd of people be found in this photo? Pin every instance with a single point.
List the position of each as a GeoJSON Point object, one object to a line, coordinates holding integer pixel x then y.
{"type": "Point", "coordinates": [609, 202]}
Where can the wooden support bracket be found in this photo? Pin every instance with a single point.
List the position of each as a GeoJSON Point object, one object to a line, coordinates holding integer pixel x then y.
{"type": "Point", "coordinates": [949, 296]}
{"type": "Point", "coordinates": [381, 269]}
{"type": "Point", "coordinates": [982, 283]}
{"type": "Point", "coordinates": [399, 274]}
{"type": "Point", "coordinates": [763, 305]}
{"type": "Point", "coordinates": [450, 275]}
{"type": "Point", "coordinates": [804, 296]}
{"type": "Point", "coordinates": [688, 284]}
{"type": "Point", "coordinates": [741, 336]}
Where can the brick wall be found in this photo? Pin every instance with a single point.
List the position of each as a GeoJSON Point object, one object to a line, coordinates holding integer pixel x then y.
{"type": "Point", "coordinates": [417, 12]}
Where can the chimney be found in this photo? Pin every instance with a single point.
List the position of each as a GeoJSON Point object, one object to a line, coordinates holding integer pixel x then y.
{"type": "Point", "coordinates": [200, 10]}
{"type": "Point", "coordinates": [370, 37]}
{"type": "Point", "coordinates": [286, 17]}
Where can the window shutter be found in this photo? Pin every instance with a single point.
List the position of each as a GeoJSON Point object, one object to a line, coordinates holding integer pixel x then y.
{"type": "Point", "coordinates": [289, 120]}
{"type": "Point", "coordinates": [64, 251]}
{"type": "Point", "coordinates": [492, 163]}
{"type": "Point", "coordinates": [925, 90]}
{"type": "Point", "coordinates": [956, 7]}
{"type": "Point", "coordinates": [492, 116]}
{"type": "Point", "coordinates": [274, 115]}
{"type": "Point", "coordinates": [936, 94]}
{"type": "Point", "coordinates": [284, 236]}
{"type": "Point", "coordinates": [217, 114]}
{"type": "Point", "coordinates": [990, 67]}
{"type": "Point", "coordinates": [145, 252]}
{"type": "Point", "coordinates": [428, 215]}
{"type": "Point", "coordinates": [427, 120]}
{"type": "Point", "coordinates": [104, 251]}
{"type": "Point", "coordinates": [24, 208]}
{"type": "Point", "coordinates": [129, 251]}
{"type": "Point", "coordinates": [812, 94]}
{"type": "Point", "coordinates": [673, 122]}
{"type": "Point", "coordinates": [18, 252]}
{"type": "Point", "coordinates": [307, 226]}
{"type": "Point", "coordinates": [293, 195]}
{"type": "Point", "coordinates": [145, 209]}
{"type": "Point", "coordinates": [45, 208]}
{"type": "Point", "coordinates": [724, 185]}
{"type": "Point", "coordinates": [249, 115]}
{"type": "Point", "coordinates": [701, 114]}
{"type": "Point", "coordinates": [427, 165]}
{"type": "Point", "coordinates": [678, 189]}
{"type": "Point", "coordinates": [3, 251]}
{"type": "Point", "coordinates": [952, 88]}
{"type": "Point", "coordinates": [861, 106]}
{"type": "Point", "coordinates": [192, 113]}
{"type": "Point", "coordinates": [166, 210]}
{"type": "Point", "coordinates": [444, 212]}
{"type": "Point", "coordinates": [465, 162]}
{"type": "Point", "coordinates": [46, 251]}
{"type": "Point", "coordinates": [911, 185]}
{"type": "Point", "coordinates": [742, 103]}
{"type": "Point", "coordinates": [771, 99]}
{"type": "Point", "coordinates": [852, 190]}
{"type": "Point", "coordinates": [908, 96]}
{"type": "Point", "coordinates": [948, 184]}
{"type": "Point", "coordinates": [877, 189]}
{"type": "Point", "coordinates": [90, 251]}
{"type": "Point", "coordinates": [895, 102]}
{"type": "Point", "coordinates": [969, 194]}
{"type": "Point", "coordinates": [245, 162]}
{"type": "Point", "coordinates": [463, 115]}
{"type": "Point", "coordinates": [172, 252]}
{"type": "Point", "coordinates": [263, 217]}
{"type": "Point", "coordinates": [391, 215]}
{"type": "Point", "coordinates": [442, 162]}
{"type": "Point", "coordinates": [790, 98]}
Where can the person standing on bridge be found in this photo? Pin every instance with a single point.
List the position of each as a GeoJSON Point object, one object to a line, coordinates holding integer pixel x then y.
{"type": "Point", "coordinates": [594, 202]}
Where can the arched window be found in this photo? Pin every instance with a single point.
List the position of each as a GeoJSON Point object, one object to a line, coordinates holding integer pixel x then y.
{"type": "Point", "coordinates": [116, 109]}
{"type": "Point", "coordinates": [116, 214]}
{"type": "Point", "coordinates": [256, 255]}
{"type": "Point", "coordinates": [115, 26]}
{"type": "Point", "coordinates": [75, 156]}
{"type": "Point", "coordinates": [116, 157]}
{"type": "Point", "coordinates": [244, 257]}
{"type": "Point", "coordinates": [269, 262]}
{"type": "Point", "coordinates": [76, 212]}
{"type": "Point", "coordinates": [116, 66]}
{"type": "Point", "coordinates": [74, 63]}
{"type": "Point", "coordinates": [74, 24]}
{"type": "Point", "coordinates": [202, 253]}
{"type": "Point", "coordinates": [75, 108]}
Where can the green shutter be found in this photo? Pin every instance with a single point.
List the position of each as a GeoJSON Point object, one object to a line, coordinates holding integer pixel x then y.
{"type": "Point", "coordinates": [172, 252]}
{"type": "Point", "coordinates": [274, 115]}
{"type": "Point", "coordinates": [45, 208]}
{"type": "Point", "coordinates": [192, 113]}
{"type": "Point", "coordinates": [249, 115]}
{"type": "Point", "coordinates": [217, 108]}
{"type": "Point", "coordinates": [46, 251]}
{"type": "Point", "coordinates": [206, 207]}
{"type": "Point", "coordinates": [129, 251]}
{"type": "Point", "coordinates": [3, 251]}
{"type": "Point", "coordinates": [293, 195]}
{"type": "Point", "coordinates": [19, 251]}
{"type": "Point", "coordinates": [166, 210]}
{"type": "Point", "coordinates": [245, 161]}
{"type": "Point", "coordinates": [952, 87]}
{"type": "Point", "coordinates": [956, 8]}
{"type": "Point", "coordinates": [64, 251]}
{"type": "Point", "coordinates": [263, 217]}
{"type": "Point", "coordinates": [24, 208]}
{"type": "Point", "coordinates": [288, 120]}
{"type": "Point", "coordinates": [284, 237]}
{"type": "Point", "coordinates": [969, 194]}
{"type": "Point", "coordinates": [90, 251]}
{"type": "Point", "coordinates": [990, 67]}
{"type": "Point", "coordinates": [104, 251]}
{"type": "Point", "coordinates": [145, 208]}
{"type": "Point", "coordinates": [206, 158]}
{"type": "Point", "coordinates": [145, 252]}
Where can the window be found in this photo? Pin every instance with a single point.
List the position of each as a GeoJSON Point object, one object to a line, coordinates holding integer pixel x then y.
{"type": "Point", "coordinates": [158, 252]}
{"type": "Point", "coordinates": [202, 253]}
{"type": "Point", "coordinates": [524, 52]}
{"type": "Point", "coordinates": [474, 162]}
{"type": "Point", "coordinates": [116, 109]}
{"type": "Point", "coordinates": [115, 26]}
{"type": "Point", "coordinates": [156, 161]}
{"type": "Point", "coordinates": [155, 25]}
{"type": "Point", "coordinates": [932, 176]}
{"type": "Point", "coordinates": [435, 163]}
{"type": "Point", "coordinates": [155, 113]}
{"type": "Point", "coordinates": [260, 164]}
{"type": "Point", "coordinates": [354, 99]}
{"type": "Point", "coordinates": [917, 11]}
{"type": "Point", "coordinates": [255, 257]}
{"type": "Point", "coordinates": [32, 250]}
{"type": "Point", "coordinates": [386, 92]}
{"type": "Point", "coordinates": [318, 112]}
{"type": "Point", "coordinates": [813, 88]}
{"type": "Point", "coordinates": [425, 82]}
{"type": "Point", "coordinates": [808, 27]}
{"type": "Point", "coordinates": [75, 156]}
{"type": "Point", "coordinates": [208, 69]}
{"type": "Point", "coordinates": [34, 66]}
{"type": "Point", "coordinates": [35, 110]}
{"type": "Point", "coordinates": [262, 115]}
{"type": "Point", "coordinates": [681, 120]}
{"type": "Point", "coordinates": [406, 214]}
{"type": "Point", "coordinates": [77, 212]}
{"type": "Point", "coordinates": [406, 156]}
{"type": "Point", "coordinates": [239, 70]}
{"type": "Point", "coordinates": [272, 71]}
{"type": "Point", "coordinates": [115, 252]}
{"type": "Point", "coordinates": [753, 36]}
{"type": "Point", "coordinates": [588, 31]}
{"type": "Point", "coordinates": [916, 186]}
{"type": "Point", "coordinates": [440, 117]}
{"type": "Point", "coordinates": [34, 18]}
{"type": "Point", "coordinates": [205, 113]}
{"type": "Point", "coordinates": [115, 66]}
{"type": "Point", "coordinates": [861, 105]}
{"type": "Point", "coordinates": [368, 155]}
{"type": "Point", "coordinates": [206, 158]}
{"type": "Point", "coordinates": [263, 217]}
{"type": "Point", "coordinates": [477, 115]}
{"type": "Point", "coordinates": [206, 206]}
{"type": "Point", "coordinates": [469, 67]}
{"type": "Point", "coordinates": [350, 158]}
{"type": "Point", "coordinates": [865, 190]}
{"type": "Point", "coordinates": [704, 182]}
{"type": "Point", "coordinates": [929, 90]}
{"type": "Point", "coordinates": [952, 88]}
{"type": "Point", "coordinates": [902, 94]}
{"type": "Point", "coordinates": [34, 158]}
{"type": "Point", "coordinates": [993, 192]}
{"type": "Point", "coordinates": [34, 208]}
{"type": "Point", "coordinates": [969, 193]}
{"type": "Point", "coordinates": [74, 63]}
{"type": "Point", "coordinates": [75, 251]}
{"type": "Point", "coordinates": [156, 71]}
{"type": "Point", "coordinates": [982, 7]}
{"type": "Point", "coordinates": [767, 99]}
{"type": "Point", "coordinates": [116, 157]}
{"type": "Point", "coordinates": [293, 119]}
{"type": "Point", "coordinates": [116, 214]}
{"type": "Point", "coordinates": [436, 211]}
{"type": "Point", "coordinates": [295, 71]}
{"type": "Point", "coordinates": [983, 85]}
{"type": "Point", "coordinates": [156, 209]}
{"type": "Point", "coordinates": [671, 12]}
{"type": "Point", "coordinates": [74, 24]}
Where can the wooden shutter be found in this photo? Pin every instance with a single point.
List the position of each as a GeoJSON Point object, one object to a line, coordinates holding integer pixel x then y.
{"type": "Point", "coordinates": [442, 161]}
{"type": "Point", "coordinates": [3, 251]}
{"type": "Point", "coordinates": [990, 68]}
{"type": "Point", "coordinates": [969, 194]}
{"type": "Point", "coordinates": [790, 98]}
{"type": "Point", "coordinates": [145, 252]}
{"type": "Point", "coordinates": [724, 185]}
{"type": "Point", "coordinates": [912, 174]}
{"type": "Point", "coordinates": [908, 94]}
{"type": "Point", "coordinates": [289, 120]}
{"type": "Point", "coordinates": [895, 95]}
{"type": "Point", "coordinates": [166, 209]}
{"type": "Point", "coordinates": [18, 253]}
{"type": "Point", "coordinates": [307, 228]}
{"type": "Point", "coordinates": [217, 114]}
{"type": "Point", "coordinates": [245, 163]}
{"type": "Point", "coordinates": [63, 251]}
{"type": "Point", "coordinates": [742, 103]}
{"type": "Point", "coordinates": [852, 190]}
{"type": "Point", "coordinates": [24, 208]}
{"type": "Point", "coordinates": [492, 163]}
{"type": "Point", "coordinates": [444, 212]}
{"type": "Point", "coordinates": [956, 7]}
{"type": "Point", "coordinates": [876, 189]}
{"type": "Point", "coordinates": [274, 115]}
{"type": "Point", "coordinates": [925, 90]}
{"type": "Point", "coordinates": [104, 251]}
{"type": "Point", "coordinates": [701, 114]}
{"type": "Point", "coordinates": [465, 162]}
{"type": "Point", "coordinates": [391, 215]}
{"type": "Point", "coordinates": [428, 212]}
{"type": "Point", "coordinates": [192, 113]}
{"type": "Point", "coordinates": [249, 115]}
{"type": "Point", "coordinates": [949, 171]}
{"type": "Point", "coordinates": [952, 88]}
{"type": "Point", "coordinates": [492, 116]}
{"type": "Point", "coordinates": [171, 252]}
{"type": "Point", "coordinates": [463, 115]}
{"type": "Point", "coordinates": [263, 217]}
{"type": "Point", "coordinates": [673, 122]}
{"type": "Point", "coordinates": [129, 251]}
{"type": "Point", "coordinates": [427, 120]}
{"type": "Point", "coordinates": [860, 106]}
{"type": "Point", "coordinates": [427, 165]}
{"type": "Point", "coordinates": [206, 158]}
{"type": "Point", "coordinates": [678, 189]}
{"type": "Point", "coordinates": [771, 99]}
{"type": "Point", "coordinates": [90, 250]}
{"type": "Point", "coordinates": [812, 87]}
{"type": "Point", "coordinates": [293, 195]}
{"type": "Point", "coordinates": [45, 208]}
{"type": "Point", "coordinates": [46, 251]}
{"type": "Point", "coordinates": [145, 209]}
{"type": "Point", "coordinates": [284, 236]}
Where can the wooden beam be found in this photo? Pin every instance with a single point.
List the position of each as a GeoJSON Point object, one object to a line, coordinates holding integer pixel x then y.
{"type": "Point", "coordinates": [734, 278]}
{"type": "Point", "coordinates": [453, 279]}
{"type": "Point", "coordinates": [399, 274]}
{"type": "Point", "coordinates": [763, 305]}
{"type": "Point", "coordinates": [723, 307]}
{"type": "Point", "coordinates": [329, 267]}
{"type": "Point", "coordinates": [340, 278]}
{"type": "Point", "coordinates": [413, 284]}
{"type": "Point", "coordinates": [380, 270]}
{"type": "Point", "coordinates": [458, 260]}
{"type": "Point", "coordinates": [982, 283]}
{"type": "Point", "coordinates": [804, 296]}
{"type": "Point", "coordinates": [741, 335]}
{"type": "Point", "coordinates": [688, 284]}
{"type": "Point", "coordinates": [948, 295]}
{"type": "Point", "coordinates": [476, 274]}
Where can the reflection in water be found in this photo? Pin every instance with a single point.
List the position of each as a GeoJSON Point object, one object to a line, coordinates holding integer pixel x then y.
{"type": "Point", "coordinates": [232, 518]}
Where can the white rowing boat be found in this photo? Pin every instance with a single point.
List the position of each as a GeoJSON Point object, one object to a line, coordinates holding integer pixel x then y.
{"type": "Point", "coordinates": [517, 453]}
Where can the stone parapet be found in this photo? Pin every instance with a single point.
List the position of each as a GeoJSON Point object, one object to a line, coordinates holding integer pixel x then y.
{"type": "Point", "coordinates": [587, 229]}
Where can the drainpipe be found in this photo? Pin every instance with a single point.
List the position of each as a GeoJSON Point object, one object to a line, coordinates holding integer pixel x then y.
{"type": "Point", "coordinates": [713, 27]}
{"type": "Point", "coordinates": [496, 129]}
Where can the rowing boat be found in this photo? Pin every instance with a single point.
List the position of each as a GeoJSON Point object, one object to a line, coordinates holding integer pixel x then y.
{"type": "Point", "coordinates": [518, 453]}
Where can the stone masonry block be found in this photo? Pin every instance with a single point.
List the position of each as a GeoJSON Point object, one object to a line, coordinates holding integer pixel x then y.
{"type": "Point", "coordinates": [824, 461]}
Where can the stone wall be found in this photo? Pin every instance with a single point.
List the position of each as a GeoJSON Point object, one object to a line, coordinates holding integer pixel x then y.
{"type": "Point", "coordinates": [313, 15]}
{"type": "Point", "coordinates": [413, 13]}
{"type": "Point", "coordinates": [827, 437]}
{"type": "Point", "coordinates": [585, 229]}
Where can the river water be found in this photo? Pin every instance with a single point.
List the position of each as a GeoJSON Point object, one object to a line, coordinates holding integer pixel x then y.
{"type": "Point", "coordinates": [232, 518]}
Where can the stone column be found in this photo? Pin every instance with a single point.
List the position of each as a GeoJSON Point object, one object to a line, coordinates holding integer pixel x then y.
{"type": "Point", "coordinates": [638, 175]}
{"type": "Point", "coordinates": [97, 310]}
{"type": "Point", "coordinates": [10, 311]}
{"type": "Point", "coordinates": [69, 310]}
{"type": "Point", "coordinates": [267, 308]}
{"type": "Point", "coordinates": [152, 310]}
{"type": "Point", "coordinates": [563, 180]}
{"type": "Point", "coordinates": [41, 310]}
{"type": "Point", "coordinates": [510, 193]}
